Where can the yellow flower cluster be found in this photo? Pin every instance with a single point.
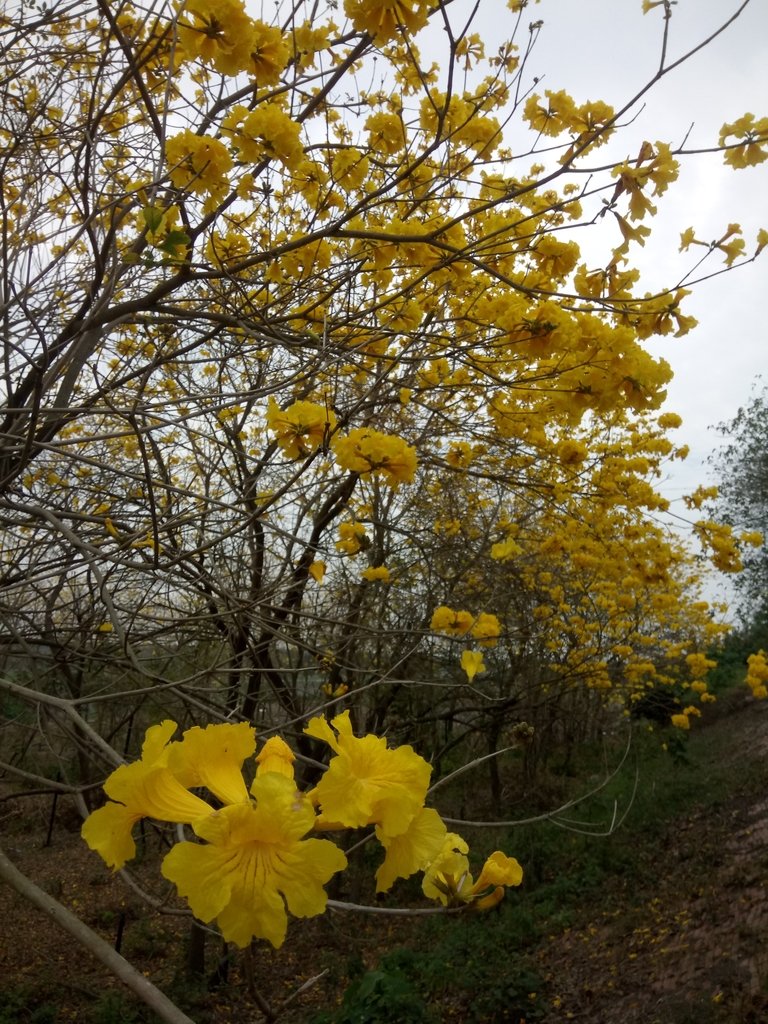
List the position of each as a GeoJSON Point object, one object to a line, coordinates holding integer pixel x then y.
{"type": "Point", "coordinates": [301, 428]}
{"type": "Point", "coordinates": [253, 846]}
{"type": "Point", "coordinates": [382, 18]}
{"type": "Point", "coordinates": [222, 34]}
{"type": "Point", "coordinates": [683, 719]}
{"type": "Point", "coordinates": [724, 545]}
{"type": "Point", "coordinates": [376, 573]}
{"type": "Point", "coordinates": [369, 783]}
{"type": "Point", "coordinates": [266, 131]}
{"type": "Point", "coordinates": [252, 863]}
{"type": "Point", "coordinates": [198, 163]}
{"type": "Point", "coordinates": [352, 538]}
{"type": "Point", "coordinates": [757, 675]}
{"type": "Point", "coordinates": [752, 148]}
{"type": "Point", "coordinates": [365, 450]}
{"type": "Point", "coordinates": [485, 628]}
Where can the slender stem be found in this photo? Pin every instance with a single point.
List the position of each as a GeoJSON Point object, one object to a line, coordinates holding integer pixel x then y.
{"type": "Point", "coordinates": [117, 964]}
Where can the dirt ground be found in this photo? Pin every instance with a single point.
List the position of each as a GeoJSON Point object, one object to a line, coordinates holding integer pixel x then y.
{"type": "Point", "coordinates": [693, 952]}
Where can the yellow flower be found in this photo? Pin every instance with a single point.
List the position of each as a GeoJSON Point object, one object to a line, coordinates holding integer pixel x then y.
{"type": "Point", "coordinates": [317, 571]}
{"type": "Point", "coordinates": [571, 453]}
{"type": "Point", "coordinates": [374, 573]}
{"type": "Point", "coordinates": [266, 131]}
{"type": "Point", "coordinates": [198, 163]}
{"type": "Point", "coordinates": [139, 790]}
{"type": "Point", "coordinates": [213, 757]}
{"type": "Point", "coordinates": [301, 428]}
{"type": "Point", "coordinates": [366, 782]}
{"type": "Point", "coordinates": [448, 878]}
{"type": "Point", "coordinates": [365, 450]}
{"type": "Point", "coordinates": [352, 538]}
{"type": "Point", "coordinates": [554, 116]}
{"type": "Point", "coordinates": [349, 168]}
{"type": "Point", "coordinates": [505, 549]}
{"type": "Point", "coordinates": [218, 32]}
{"type": "Point", "coordinates": [446, 620]}
{"type": "Point", "coordinates": [381, 18]}
{"type": "Point", "coordinates": [472, 663]}
{"type": "Point", "coordinates": [680, 722]}
{"type": "Point", "coordinates": [268, 53]}
{"type": "Point", "coordinates": [754, 149]}
{"type": "Point", "coordinates": [108, 829]}
{"type": "Point", "coordinates": [254, 863]}
{"type": "Point", "coordinates": [412, 850]}
{"type": "Point", "coordinates": [499, 870]}
{"type": "Point", "coordinates": [487, 629]}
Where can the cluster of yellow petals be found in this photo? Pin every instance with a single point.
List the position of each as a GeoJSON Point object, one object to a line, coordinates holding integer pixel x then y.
{"type": "Point", "coordinates": [682, 720]}
{"type": "Point", "coordinates": [301, 428]}
{"type": "Point", "coordinates": [484, 627]}
{"type": "Point", "coordinates": [266, 131]}
{"type": "Point", "coordinates": [221, 34]}
{"type": "Point", "coordinates": [382, 18]}
{"type": "Point", "coordinates": [724, 545]}
{"type": "Point", "coordinates": [376, 574]}
{"type": "Point", "coordinates": [369, 783]}
{"type": "Point", "coordinates": [254, 859]}
{"type": "Point", "coordinates": [198, 163]}
{"type": "Point", "coordinates": [365, 450]}
{"type": "Point", "coordinates": [353, 538]}
{"type": "Point", "coordinates": [757, 675]}
{"type": "Point", "coordinates": [747, 141]}
{"type": "Point", "coordinates": [252, 862]}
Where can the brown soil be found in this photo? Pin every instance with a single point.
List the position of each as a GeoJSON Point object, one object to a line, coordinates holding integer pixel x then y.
{"type": "Point", "coordinates": [692, 950]}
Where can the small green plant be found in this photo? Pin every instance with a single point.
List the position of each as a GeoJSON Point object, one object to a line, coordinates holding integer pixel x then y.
{"type": "Point", "coordinates": [24, 1005]}
{"type": "Point", "coordinates": [382, 996]}
{"type": "Point", "coordinates": [113, 1008]}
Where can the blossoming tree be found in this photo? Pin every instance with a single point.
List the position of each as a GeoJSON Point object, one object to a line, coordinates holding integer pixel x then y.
{"type": "Point", "coordinates": [312, 401]}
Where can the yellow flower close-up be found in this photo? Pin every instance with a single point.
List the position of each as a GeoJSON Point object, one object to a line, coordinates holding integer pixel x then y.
{"type": "Point", "coordinates": [255, 862]}
{"type": "Point", "coordinates": [367, 782]}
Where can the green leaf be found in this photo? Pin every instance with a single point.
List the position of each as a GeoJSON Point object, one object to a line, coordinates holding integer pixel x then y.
{"type": "Point", "coordinates": [153, 217]}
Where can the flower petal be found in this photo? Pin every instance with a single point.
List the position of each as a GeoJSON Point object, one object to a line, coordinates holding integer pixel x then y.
{"type": "Point", "coordinates": [276, 756]}
{"type": "Point", "coordinates": [411, 851]}
{"type": "Point", "coordinates": [256, 860]}
{"type": "Point", "coordinates": [154, 749]}
{"type": "Point", "coordinates": [203, 875]}
{"type": "Point", "coordinates": [151, 791]}
{"type": "Point", "coordinates": [368, 783]}
{"type": "Point", "coordinates": [301, 874]}
{"type": "Point", "coordinates": [447, 878]}
{"type": "Point", "coordinates": [108, 832]}
{"type": "Point", "coordinates": [213, 757]}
